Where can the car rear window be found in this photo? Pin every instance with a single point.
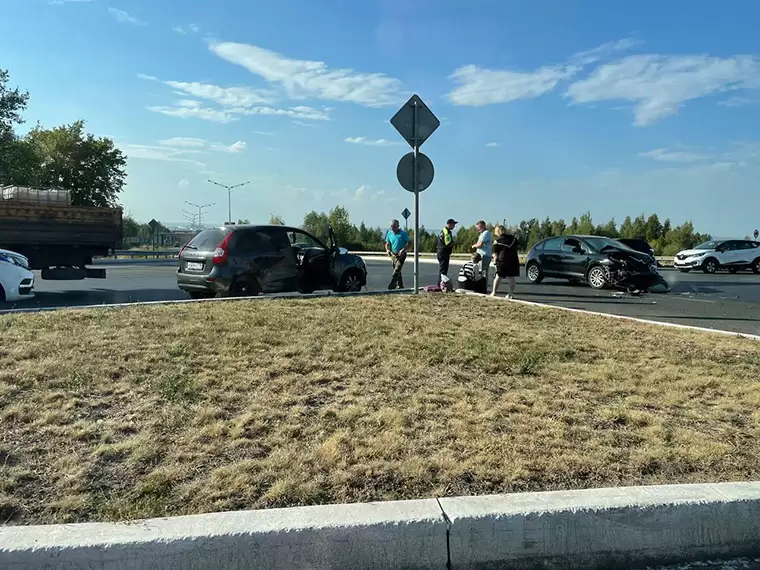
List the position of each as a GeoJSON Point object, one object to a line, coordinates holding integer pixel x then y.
{"type": "Point", "coordinates": [207, 240]}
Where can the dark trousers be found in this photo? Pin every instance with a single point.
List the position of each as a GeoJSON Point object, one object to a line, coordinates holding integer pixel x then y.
{"type": "Point", "coordinates": [443, 262]}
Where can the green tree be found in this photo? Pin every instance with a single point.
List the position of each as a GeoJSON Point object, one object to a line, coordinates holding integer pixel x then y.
{"type": "Point", "coordinates": [341, 224]}
{"type": "Point", "coordinates": [276, 220]}
{"type": "Point", "coordinates": [639, 227]}
{"type": "Point", "coordinates": [243, 221]}
{"type": "Point", "coordinates": [626, 228]}
{"type": "Point", "coordinates": [16, 157]}
{"type": "Point", "coordinates": [131, 227]}
{"type": "Point", "coordinates": [316, 224]}
{"type": "Point", "coordinates": [585, 225]}
{"type": "Point", "coordinates": [92, 168]}
{"type": "Point", "coordinates": [653, 229]}
{"type": "Point", "coordinates": [12, 103]}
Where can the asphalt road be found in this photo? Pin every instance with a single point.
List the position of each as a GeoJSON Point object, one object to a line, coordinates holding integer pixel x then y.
{"type": "Point", "coordinates": [721, 301]}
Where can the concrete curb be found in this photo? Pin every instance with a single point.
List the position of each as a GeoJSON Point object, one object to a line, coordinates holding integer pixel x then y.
{"type": "Point", "coordinates": [588, 529]}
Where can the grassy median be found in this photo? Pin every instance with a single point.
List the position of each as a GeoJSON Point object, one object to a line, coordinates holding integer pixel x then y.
{"type": "Point", "coordinates": [141, 412]}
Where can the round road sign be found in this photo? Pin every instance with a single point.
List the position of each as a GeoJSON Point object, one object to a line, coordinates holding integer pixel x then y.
{"type": "Point", "coordinates": [405, 172]}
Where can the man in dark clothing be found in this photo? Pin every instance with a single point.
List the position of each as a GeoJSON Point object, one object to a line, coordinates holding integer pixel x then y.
{"type": "Point", "coordinates": [445, 246]}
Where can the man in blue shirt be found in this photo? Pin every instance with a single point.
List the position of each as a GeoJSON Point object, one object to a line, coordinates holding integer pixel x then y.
{"type": "Point", "coordinates": [396, 244]}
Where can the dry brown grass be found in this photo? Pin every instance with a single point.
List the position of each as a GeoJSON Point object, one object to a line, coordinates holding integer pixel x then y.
{"type": "Point", "coordinates": [119, 414]}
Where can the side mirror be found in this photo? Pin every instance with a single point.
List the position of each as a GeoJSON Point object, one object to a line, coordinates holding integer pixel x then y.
{"type": "Point", "coordinates": [342, 250]}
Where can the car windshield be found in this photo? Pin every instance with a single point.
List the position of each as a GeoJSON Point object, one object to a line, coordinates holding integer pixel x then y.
{"type": "Point", "coordinates": [708, 245]}
{"type": "Point", "coordinates": [599, 243]}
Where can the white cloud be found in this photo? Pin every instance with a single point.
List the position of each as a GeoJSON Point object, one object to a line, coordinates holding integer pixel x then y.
{"type": "Point", "coordinates": [311, 79]}
{"type": "Point", "coordinates": [303, 124]}
{"type": "Point", "coordinates": [238, 146]}
{"type": "Point", "coordinates": [125, 17]}
{"type": "Point", "coordinates": [224, 96]}
{"type": "Point", "coordinates": [184, 30]}
{"type": "Point", "coordinates": [147, 77]}
{"type": "Point", "coordinates": [186, 109]}
{"type": "Point", "coordinates": [361, 191]}
{"type": "Point", "coordinates": [493, 145]}
{"type": "Point", "coordinates": [62, 2]}
{"type": "Point", "coordinates": [182, 184]}
{"type": "Point", "coordinates": [183, 142]}
{"type": "Point", "coordinates": [477, 86]}
{"type": "Point", "coordinates": [263, 133]}
{"type": "Point", "coordinates": [658, 85]}
{"type": "Point", "coordinates": [299, 112]}
{"type": "Point", "coordinates": [370, 142]}
{"type": "Point", "coordinates": [168, 154]}
{"type": "Point", "coordinates": [737, 101]}
{"type": "Point", "coordinates": [667, 155]}
{"type": "Point", "coordinates": [190, 144]}
{"type": "Point", "coordinates": [233, 102]}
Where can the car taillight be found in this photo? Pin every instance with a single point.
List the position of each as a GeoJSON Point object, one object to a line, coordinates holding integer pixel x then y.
{"type": "Point", "coordinates": [222, 252]}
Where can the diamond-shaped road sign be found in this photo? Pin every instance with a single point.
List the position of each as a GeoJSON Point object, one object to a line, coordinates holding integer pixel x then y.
{"type": "Point", "coordinates": [404, 122]}
{"type": "Point", "coordinates": [406, 213]}
{"type": "Point", "coordinates": [405, 172]}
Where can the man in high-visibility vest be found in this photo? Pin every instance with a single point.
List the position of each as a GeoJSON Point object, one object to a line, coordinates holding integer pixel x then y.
{"type": "Point", "coordinates": [445, 246]}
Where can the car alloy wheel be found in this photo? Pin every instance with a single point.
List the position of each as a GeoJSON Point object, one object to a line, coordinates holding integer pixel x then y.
{"type": "Point", "coordinates": [709, 266]}
{"type": "Point", "coordinates": [351, 282]}
{"type": "Point", "coordinates": [756, 266]}
{"type": "Point", "coordinates": [597, 277]}
{"type": "Point", "coordinates": [534, 273]}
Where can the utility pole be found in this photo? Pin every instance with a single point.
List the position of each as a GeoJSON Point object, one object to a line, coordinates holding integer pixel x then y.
{"type": "Point", "coordinates": [229, 196]}
{"type": "Point", "coordinates": [200, 212]}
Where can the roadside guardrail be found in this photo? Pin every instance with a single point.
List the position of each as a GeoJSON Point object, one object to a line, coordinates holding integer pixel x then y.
{"type": "Point", "coordinates": [173, 253]}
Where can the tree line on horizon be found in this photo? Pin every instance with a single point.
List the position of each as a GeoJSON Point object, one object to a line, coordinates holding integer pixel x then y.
{"type": "Point", "coordinates": [665, 239]}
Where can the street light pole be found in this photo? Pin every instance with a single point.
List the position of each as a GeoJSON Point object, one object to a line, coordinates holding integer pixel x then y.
{"type": "Point", "coordinates": [229, 196]}
{"type": "Point", "coordinates": [200, 212]}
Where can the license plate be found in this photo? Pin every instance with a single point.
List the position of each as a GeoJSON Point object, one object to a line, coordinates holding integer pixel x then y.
{"type": "Point", "coordinates": [194, 266]}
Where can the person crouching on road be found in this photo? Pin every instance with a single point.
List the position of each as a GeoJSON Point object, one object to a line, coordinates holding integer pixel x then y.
{"type": "Point", "coordinates": [471, 277]}
{"type": "Point", "coordinates": [507, 260]}
{"type": "Point", "coordinates": [445, 246]}
{"type": "Point", "coordinates": [396, 245]}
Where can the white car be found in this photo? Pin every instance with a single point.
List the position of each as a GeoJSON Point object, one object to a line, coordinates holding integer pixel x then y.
{"type": "Point", "coordinates": [732, 255]}
{"type": "Point", "coordinates": [16, 281]}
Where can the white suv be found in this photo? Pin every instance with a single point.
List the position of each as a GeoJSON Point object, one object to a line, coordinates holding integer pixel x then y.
{"type": "Point", "coordinates": [711, 256]}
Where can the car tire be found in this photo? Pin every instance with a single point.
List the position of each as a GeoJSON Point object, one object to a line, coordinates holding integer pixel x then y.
{"type": "Point", "coordinates": [243, 288]}
{"type": "Point", "coordinates": [597, 277]}
{"type": "Point", "coordinates": [755, 266]}
{"type": "Point", "coordinates": [533, 272]}
{"type": "Point", "coordinates": [684, 270]}
{"type": "Point", "coordinates": [2, 294]}
{"type": "Point", "coordinates": [350, 282]}
{"type": "Point", "coordinates": [201, 295]}
{"type": "Point", "coordinates": [710, 265]}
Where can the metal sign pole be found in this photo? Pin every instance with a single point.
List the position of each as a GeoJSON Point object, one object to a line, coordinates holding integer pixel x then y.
{"type": "Point", "coordinates": [416, 208]}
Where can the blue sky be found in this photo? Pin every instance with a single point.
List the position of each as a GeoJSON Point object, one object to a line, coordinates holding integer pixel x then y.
{"type": "Point", "coordinates": [548, 108]}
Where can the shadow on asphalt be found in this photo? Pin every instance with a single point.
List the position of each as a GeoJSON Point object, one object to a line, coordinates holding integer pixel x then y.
{"type": "Point", "coordinates": [93, 297]}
